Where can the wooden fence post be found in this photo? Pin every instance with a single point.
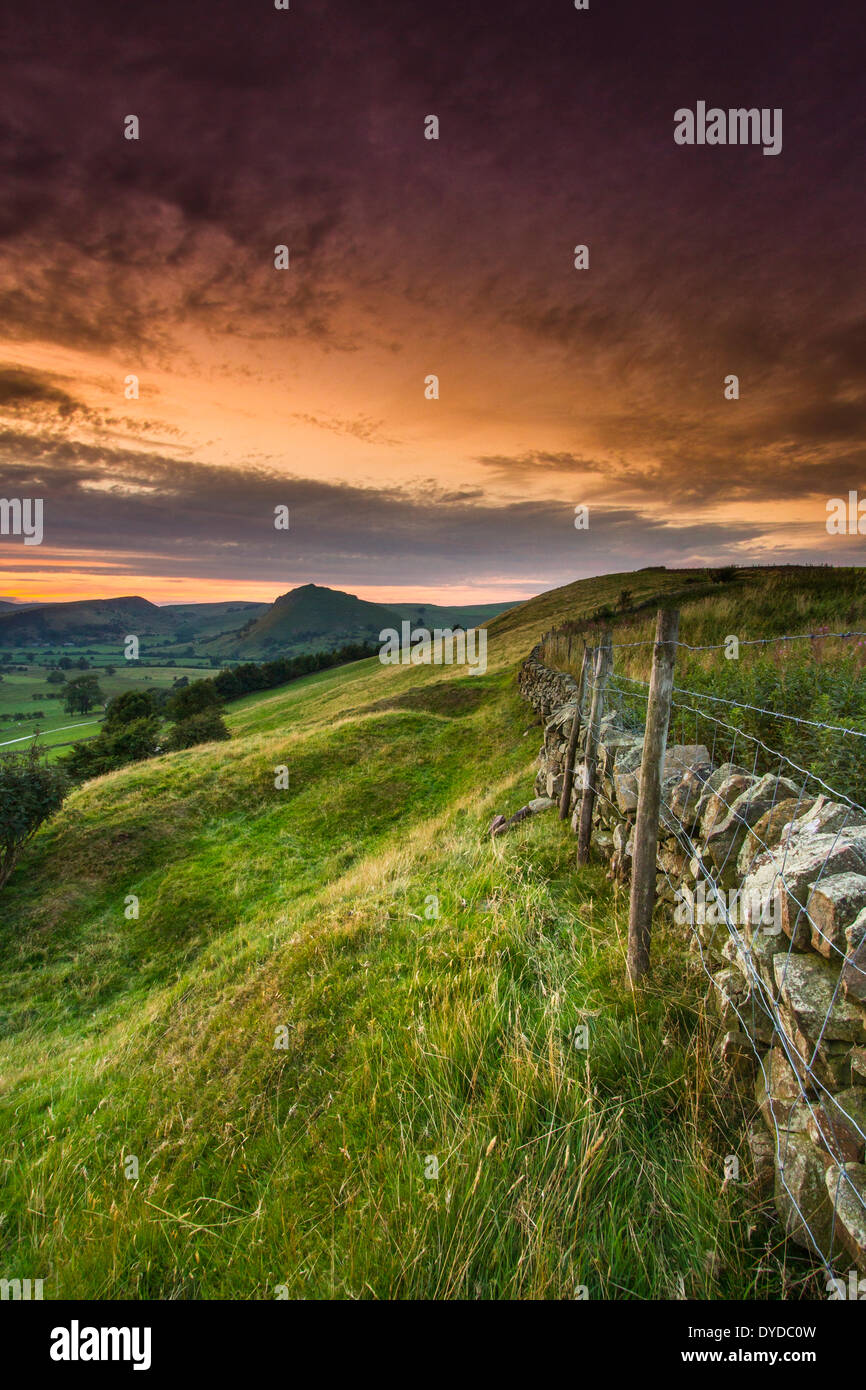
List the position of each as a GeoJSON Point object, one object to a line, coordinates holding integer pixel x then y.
{"type": "Point", "coordinates": [643, 873]}
{"type": "Point", "coordinates": [568, 770]}
{"type": "Point", "coordinates": [603, 663]}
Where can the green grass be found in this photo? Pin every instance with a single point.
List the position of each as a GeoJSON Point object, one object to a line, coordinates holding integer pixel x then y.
{"type": "Point", "coordinates": [410, 1036]}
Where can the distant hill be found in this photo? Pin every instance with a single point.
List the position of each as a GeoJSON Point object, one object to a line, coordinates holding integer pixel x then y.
{"type": "Point", "coordinates": [202, 620]}
{"type": "Point", "coordinates": [84, 620]}
{"type": "Point", "coordinates": [314, 616]}
{"type": "Point", "coordinates": [467, 615]}
{"type": "Point", "coordinates": [309, 617]}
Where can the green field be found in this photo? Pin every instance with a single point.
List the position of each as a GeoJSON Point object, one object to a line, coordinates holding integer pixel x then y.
{"type": "Point", "coordinates": [428, 1128]}
{"type": "Point", "coordinates": [17, 690]}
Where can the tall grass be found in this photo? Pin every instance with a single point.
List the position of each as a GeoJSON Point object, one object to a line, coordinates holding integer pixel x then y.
{"type": "Point", "coordinates": [818, 678]}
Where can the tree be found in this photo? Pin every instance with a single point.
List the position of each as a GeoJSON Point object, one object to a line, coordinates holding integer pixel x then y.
{"type": "Point", "coordinates": [128, 707]}
{"type": "Point", "coordinates": [207, 726]}
{"type": "Point", "coordinates": [625, 597]}
{"type": "Point", "coordinates": [114, 747]}
{"type": "Point", "coordinates": [55, 677]}
{"type": "Point", "coordinates": [30, 792]}
{"type": "Point", "coordinates": [80, 695]}
{"type": "Point", "coordinates": [192, 699]}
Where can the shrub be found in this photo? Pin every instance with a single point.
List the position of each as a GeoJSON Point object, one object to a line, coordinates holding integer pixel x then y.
{"type": "Point", "coordinates": [30, 792]}
{"type": "Point", "coordinates": [206, 727]}
{"type": "Point", "coordinates": [193, 699]}
{"type": "Point", "coordinates": [113, 748]}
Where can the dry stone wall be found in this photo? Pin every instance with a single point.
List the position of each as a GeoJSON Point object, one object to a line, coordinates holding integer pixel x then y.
{"type": "Point", "coordinates": [789, 983]}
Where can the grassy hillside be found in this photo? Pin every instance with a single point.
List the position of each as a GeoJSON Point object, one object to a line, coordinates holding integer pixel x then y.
{"type": "Point", "coordinates": [429, 984]}
{"type": "Point", "coordinates": [818, 679]}
{"type": "Point", "coordinates": [434, 615]}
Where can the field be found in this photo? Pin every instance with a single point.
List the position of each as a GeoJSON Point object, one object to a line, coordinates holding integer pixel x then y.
{"type": "Point", "coordinates": [335, 1051]}
{"type": "Point", "coordinates": [58, 729]}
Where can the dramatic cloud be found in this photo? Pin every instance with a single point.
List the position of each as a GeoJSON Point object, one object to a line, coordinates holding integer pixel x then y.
{"type": "Point", "coordinates": [183, 519]}
{"type": "Point", "coordinates": [410, 258]}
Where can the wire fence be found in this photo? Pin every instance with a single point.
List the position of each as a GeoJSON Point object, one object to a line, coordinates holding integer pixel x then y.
{"type": "Point", "coordinates": [764, 860]}
{"type": "Point", "coordinates": [809, 705]}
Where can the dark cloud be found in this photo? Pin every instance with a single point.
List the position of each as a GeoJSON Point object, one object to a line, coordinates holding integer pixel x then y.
{"type": "Point", "coordinates": [182, 519]}
{"type": "Point", "coordinates": [305, 126]}
{"type": "Point", "coordinates": [28, 391]}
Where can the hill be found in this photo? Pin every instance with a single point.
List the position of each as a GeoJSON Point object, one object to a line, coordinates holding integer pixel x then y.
{"type": "Point", "coordinates": [308, 617]}
{"type": "Point", "coordinates": [313, 617]}
{"type": "Point", "coordinates": [196, 621]}
{"type": "Point", "coordinates": [85, 619]}
{"type": "Point", "coordinates": [338, 1039]}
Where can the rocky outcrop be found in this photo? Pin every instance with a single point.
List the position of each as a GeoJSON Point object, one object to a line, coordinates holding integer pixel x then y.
{"type": "Point", "coordinates": [770, 885]}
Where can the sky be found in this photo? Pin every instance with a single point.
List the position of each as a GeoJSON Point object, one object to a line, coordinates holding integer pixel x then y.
{"type": "Point", "coordinates": [412, 257]}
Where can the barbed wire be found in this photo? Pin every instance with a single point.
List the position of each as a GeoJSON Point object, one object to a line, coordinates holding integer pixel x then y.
{"type": "Point", "coordinates": [760, 1005]}
{"type": "Point", "coordinates": [754, 709]}
{"type": "Point", "coordinates": [722, 646]}
{"type": "Point", "coordinates": [769, 1006]}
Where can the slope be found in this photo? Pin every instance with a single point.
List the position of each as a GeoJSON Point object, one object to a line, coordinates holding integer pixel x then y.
{"type": "Point", "coordinates": [338, 1038]}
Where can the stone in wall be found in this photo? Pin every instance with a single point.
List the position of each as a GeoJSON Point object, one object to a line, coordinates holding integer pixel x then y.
{"type": "Point", "coordinates": [686, 795]}
{"type": "Point", "coordinates": [766, 833]}
{"type": "Point", "coordinates": [812, 853]}
{"type": "Point", "coordinates": [809, 1000]}
{"type": "Point", "coordinates": [722, 842]}
{"type": "Point", "coordinates": [854, 968]}
{"type": "Point", "coordinates": [834, 904]}
{"type": "Point", "coordinates": [846, 1190]}
{"type": "Point", "coordinates": [778, 1089]}
{"type": "Point", "coordinates": [837, 1125]}
{"type": "Point", "coordinates": [797, 864]}
{"type": "Point", "coordinates": [802, 1200]}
